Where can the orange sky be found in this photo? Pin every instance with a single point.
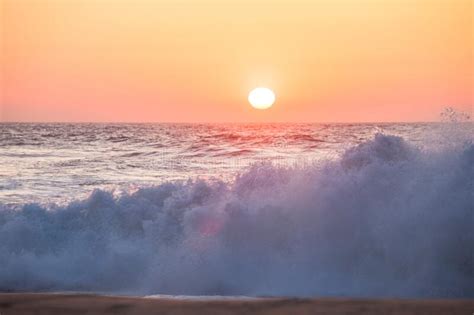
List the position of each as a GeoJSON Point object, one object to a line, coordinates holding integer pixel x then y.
{"type": "Point", "coordinates": [196, 61]}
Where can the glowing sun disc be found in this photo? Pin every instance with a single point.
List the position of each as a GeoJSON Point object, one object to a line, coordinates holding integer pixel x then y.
{"type": "Point", "coordinates": [261, 98]}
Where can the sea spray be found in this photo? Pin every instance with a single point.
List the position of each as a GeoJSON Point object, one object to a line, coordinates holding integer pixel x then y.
{"type": "Point", "coordinates": [385, 219]}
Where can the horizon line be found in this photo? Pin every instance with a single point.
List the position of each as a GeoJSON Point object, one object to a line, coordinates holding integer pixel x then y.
{"type": "Point", "coordinates": [224, 122]}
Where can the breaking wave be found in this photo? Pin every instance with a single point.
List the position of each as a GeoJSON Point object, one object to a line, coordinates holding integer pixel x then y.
{"type": "Point", "coordinates": [386, 219]}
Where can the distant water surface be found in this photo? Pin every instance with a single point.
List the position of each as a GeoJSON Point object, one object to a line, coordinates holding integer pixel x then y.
{"type": "Point", "coordinates": [59, 162]}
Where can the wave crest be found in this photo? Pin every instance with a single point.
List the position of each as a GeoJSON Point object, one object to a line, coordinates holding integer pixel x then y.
{"type": "Point", "coordinates": [387, 219]}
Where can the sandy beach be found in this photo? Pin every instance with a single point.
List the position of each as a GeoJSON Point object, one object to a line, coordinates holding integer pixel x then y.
{"type": "Point", "coordinates": [36, 303]}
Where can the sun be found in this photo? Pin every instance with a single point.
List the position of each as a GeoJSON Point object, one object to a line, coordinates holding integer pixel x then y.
{"type": "Point", "coordinates": [261, 98]}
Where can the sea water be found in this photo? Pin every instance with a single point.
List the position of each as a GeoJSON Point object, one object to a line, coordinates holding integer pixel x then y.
{"type": "Point", "coordinates": [238, 209]}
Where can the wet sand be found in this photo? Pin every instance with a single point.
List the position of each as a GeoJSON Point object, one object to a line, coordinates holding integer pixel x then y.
{"type": "Point", "coordinates": [39, 303]}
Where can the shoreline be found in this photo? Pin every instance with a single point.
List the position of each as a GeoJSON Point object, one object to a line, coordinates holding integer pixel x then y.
{"type": "Point", "coordinates": [82, 303]}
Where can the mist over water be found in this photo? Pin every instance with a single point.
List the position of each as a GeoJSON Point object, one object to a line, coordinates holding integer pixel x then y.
{"type": "Point", "coordinates": [375, 215]}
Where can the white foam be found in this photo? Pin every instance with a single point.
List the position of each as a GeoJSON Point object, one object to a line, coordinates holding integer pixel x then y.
{"type": "Point", "coordinates": [204, 297]}
{"type": "Point", "coordinates": [387, 219]}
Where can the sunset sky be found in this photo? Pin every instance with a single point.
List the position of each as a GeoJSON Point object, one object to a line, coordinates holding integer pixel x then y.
{"type": "Point", "coordinates": [196, 61]}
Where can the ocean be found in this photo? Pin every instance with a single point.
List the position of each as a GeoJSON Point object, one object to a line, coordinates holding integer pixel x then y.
{"type": "Point", "coordinates": [380, 209]}
{"type": "Point", "coordinates": [61, 162]}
